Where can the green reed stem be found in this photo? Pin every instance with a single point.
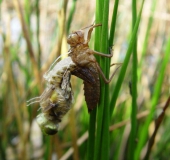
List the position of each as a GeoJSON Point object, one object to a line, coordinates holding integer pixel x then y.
{"type": "Point", "coordinates": [92, 122]}
{"type": "Point", "coordinates": [134, 89]}
{"type": "Point", "coordinates": [47, 152]}
{"type": "Point", "coordinates": [91, 139]}
{"type": "Point", "coordinates": [145, 44]}
{"type": "Point", "coordinates": [70, 18]}
{"type": "Point", "coordinates": [154, 101]}
{"type": "Point", "coordinates": [125, 63]}
{"type": "Point", "coordinates": [38, 32]}
{"type": "Point", "coordinates": [102, 132]}
{"type": "Point", "coordinates": [113, 23]}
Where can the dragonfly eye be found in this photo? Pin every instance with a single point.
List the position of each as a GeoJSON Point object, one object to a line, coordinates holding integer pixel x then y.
{"type": "Point", "coordinates": [73, 39]}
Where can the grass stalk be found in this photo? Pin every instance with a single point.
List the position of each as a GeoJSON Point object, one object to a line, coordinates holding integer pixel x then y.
{"type": "Point", "coordinates": [154, 101]}
{"type": "Point", "coordinates": [73, 131]}
{"type": "Point", "coordinates": [91, 138]}
{"type": "Point", "coordinates": [71, 14]}
{"type": "Point", "coordinates": [125, 63]}
{"type": "Point", "coordinates": [105, 63]}
{"type": "Point", "coordinates": [27, 9]}
{"type": "Point", "coordinates": [158, 123]}
{"type": "Point", "coordinates": [145, 44]}
{"type": "Point", "coordinates": [38, 32]}
{"type": "Point", "coordinates": [15, 104]}
{"type": "Point", "coordinates": [102, 132]}
{"type": "Point", "coordinates": [92, 123]}
{"type": "Point", "coordinates": [113, 23]}
{"type": "Point", "coordinates": [28, 41]}
{"type": "Point", "coordinates": [134, 89]}
{"type": "Point", "coordinates": [62, 26]}
{"type": "Point", "coordinates": [48, 148]}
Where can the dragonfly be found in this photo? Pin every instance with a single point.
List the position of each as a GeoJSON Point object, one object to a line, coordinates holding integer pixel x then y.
{"type": "Point", "coordinates": [57, 98]}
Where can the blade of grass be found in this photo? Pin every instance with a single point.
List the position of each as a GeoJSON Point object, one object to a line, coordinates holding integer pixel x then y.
{"type": "Point", "coordinates": [154, 101]}
{"type": "Point", "coordinates": [100, 111]}
{"type": "Point", "coordinates": [28, 42]}
{"type": "Point", "coordinates": [105, 63]}
{"type": "Point", "coordinates": [91, 139]}
{"type": "Point", "coordinates": [157, 125]}
{"type": "Point", "coordinates": [113, 23]}
{"type": "Point", "coordinates": [73, 130]}
{"type": "Point", "coordinates": [38, 32]}
{"type": "Point", "coordinates": [62, 26]}
{"type": "Point", "coordinates": [15, 103]}
{"type": "Point", "coordinates": [145, 44]}
{"type": "Point", "coordinates": [48, 148]}
{"type": "Point", "coordinates": [134, 89]}
{"type": "Point", "coordinates": [92, 123]}
{"type": "Point", "coordinates": [27, 10]}
{"type": "Point", "coordinates": [125, 63]}
{"type": "Point", "coordinates": [71, 14]}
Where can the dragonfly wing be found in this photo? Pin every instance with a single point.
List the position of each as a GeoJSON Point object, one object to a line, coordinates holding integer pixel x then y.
{"type": "Point", "coordinates": [91, 85]}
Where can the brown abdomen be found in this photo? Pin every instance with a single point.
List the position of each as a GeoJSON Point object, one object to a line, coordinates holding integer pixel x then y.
{"type": "Point", "coordinates": [91, 84]}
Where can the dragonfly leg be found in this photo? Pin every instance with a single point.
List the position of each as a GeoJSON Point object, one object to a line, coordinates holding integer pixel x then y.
{"type": "Point", "coordinates": [90, 31]}
{"type": "Point", "coordinates": [102, 54]}
{"type": "Point", "coordinates": [103, 76]}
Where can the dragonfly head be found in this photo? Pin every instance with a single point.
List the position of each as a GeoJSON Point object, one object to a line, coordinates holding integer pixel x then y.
{"type": "Point", "coordinates": [76, 38]}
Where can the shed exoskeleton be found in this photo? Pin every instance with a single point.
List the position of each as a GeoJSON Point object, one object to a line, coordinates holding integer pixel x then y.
{"type": "Point", "coordinates": [87, 68]}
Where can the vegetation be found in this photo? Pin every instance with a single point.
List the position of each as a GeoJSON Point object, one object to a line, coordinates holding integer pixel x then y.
{"type": "Point", "coordinates": [132, 118]}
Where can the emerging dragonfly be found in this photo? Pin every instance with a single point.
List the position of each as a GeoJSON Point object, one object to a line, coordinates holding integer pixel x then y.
{"type": "Point", "coordinates": [56, 100]}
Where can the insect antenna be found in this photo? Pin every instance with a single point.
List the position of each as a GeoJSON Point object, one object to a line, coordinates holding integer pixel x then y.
{"type": "Point", "coordinates": [36, 99]}
{"type": "Point", "coordinates": [33, 100]}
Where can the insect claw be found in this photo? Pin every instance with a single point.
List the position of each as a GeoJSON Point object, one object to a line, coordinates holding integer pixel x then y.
{"type": "Point", "coordinates": [97, 25]}
{"type": "Point", "coordinates": [116, 64]}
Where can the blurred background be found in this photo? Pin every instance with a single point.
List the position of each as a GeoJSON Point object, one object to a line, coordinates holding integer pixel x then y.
{"type": "Point", "coordinates": [33, 34]}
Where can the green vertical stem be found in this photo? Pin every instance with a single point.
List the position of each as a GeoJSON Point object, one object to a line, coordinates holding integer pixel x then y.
{"type": "Point", "coordinates": [102, 135]}
{"type": "Point", "coordinates": [27, 12]}
{"type": "Point", "coordinates": [48, 146]}
{"type": "Point", "coordinates": [91, 139]}
{"type": "Point", "coordinates": [125, 63]}
{"type": "Point", "coordinates": [145, 44]}
{"type": "Point", "coordinates": [106, 65]}
{"type": "Point", "coordinates": [62, 26]}
{"type": "Point", "coordinates": [134, 89]}
{"type": "Point", "coordinates": [70, 18]}
{"type": "Point", "coordinates": [155, 98]}
{"type": "Point", "coordinates": [38, 32]}
{"type": "Point", "coordinates": [28, 41]}
{"type": "Point", "coordinates": [92, 123]}
{"type": "Point", "coordinates": [113, 23]}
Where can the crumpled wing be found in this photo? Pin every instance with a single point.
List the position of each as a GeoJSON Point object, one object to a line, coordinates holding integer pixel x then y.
{"type": "Point", "coordinates": [91, 85]}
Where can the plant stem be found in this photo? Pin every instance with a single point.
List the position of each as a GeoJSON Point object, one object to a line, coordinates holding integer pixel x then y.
{"type": "Point", "coordinates": [134, 89]}
{"type": "Point", "coordinates": [154, 101]}
{"type": "Point", "coordinates": [125, 63]}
